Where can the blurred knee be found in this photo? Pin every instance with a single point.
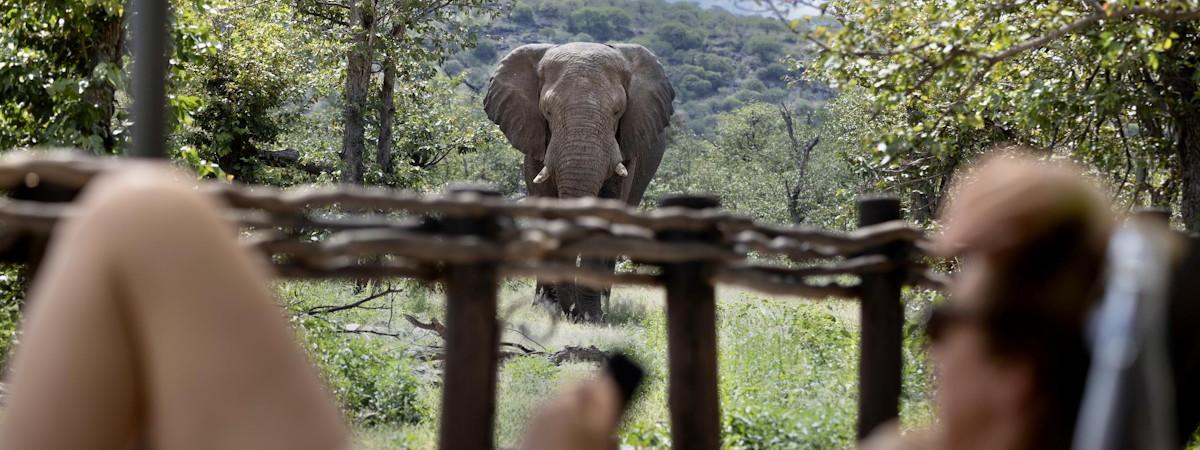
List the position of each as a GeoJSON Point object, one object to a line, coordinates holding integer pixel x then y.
{"type": "Point", "coordinates": [145, 197]}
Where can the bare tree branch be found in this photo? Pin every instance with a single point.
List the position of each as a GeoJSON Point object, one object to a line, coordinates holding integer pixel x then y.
{"type": "Point", "coordinates": [434, 325]}
{"type": "Point", "coordinates": [325, 309]}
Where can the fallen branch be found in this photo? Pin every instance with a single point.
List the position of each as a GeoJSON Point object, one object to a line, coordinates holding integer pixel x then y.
{"type": "Point", "coordinates": [573, 353]}
{"type": "Point", "coordinates": [325, 309]}
{"type": "Point", "coordinates": [570, 353]}
{"type": "Point", "coordinates": [434, 325]}
{"type": "Point", "coordinates": [367, 330]}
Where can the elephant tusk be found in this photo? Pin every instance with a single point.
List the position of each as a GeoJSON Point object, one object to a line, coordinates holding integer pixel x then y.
{"type": "Point", "coordinates": [542, 176]}
{"type": "Point", "coordinates": [620, 169]}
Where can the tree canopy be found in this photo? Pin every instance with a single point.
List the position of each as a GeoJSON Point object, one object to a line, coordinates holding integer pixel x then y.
{"type": "Point", "coordinates": [1109, 83]}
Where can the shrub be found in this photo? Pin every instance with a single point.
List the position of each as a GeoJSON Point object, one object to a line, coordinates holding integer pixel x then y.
{"type": "Point", "coordinates": [453, 67]}
{"type": "Point", "coordinates": [374, 386]}
{"type": "Point", "coordinates": [679, 35]}
{"type": "Point", "coordinates": [693, 81]}
{"type": "Point", "coordinates": [766, 48]}
{"type": "Point", "coordinates": [773, 74]}
{"type": "Point", "coordinates": [720, 65]}
{"type": "Point", "coordinates": [485, 51]}
{"type": "Point", "coordinates": [605, 24]}
{"type": "Point", "coordinates": [524, 382]}
{"type": "Point", "coordinates": [694, 86]}
{"type": "Point", "coordinates": [523, 14]}
{"type": "Point", "coordinates": [12, 295]}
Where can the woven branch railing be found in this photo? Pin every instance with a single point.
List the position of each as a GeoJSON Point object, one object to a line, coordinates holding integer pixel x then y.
{"type": "Point", "coordinates": [469, 238]}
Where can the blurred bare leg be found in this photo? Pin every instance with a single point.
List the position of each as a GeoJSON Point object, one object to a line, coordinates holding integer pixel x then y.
{"type": "Point", "coordinates": [149, 325]}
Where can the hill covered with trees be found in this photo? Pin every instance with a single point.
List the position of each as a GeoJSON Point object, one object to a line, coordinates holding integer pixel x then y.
{"type": "Point", "coordinates": [717, 61]}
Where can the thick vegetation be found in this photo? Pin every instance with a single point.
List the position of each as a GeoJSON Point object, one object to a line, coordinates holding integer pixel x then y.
{"type": "Point", "coordinates": [787, 121]}
{"type": "Point", "coordinates": [717, 61]}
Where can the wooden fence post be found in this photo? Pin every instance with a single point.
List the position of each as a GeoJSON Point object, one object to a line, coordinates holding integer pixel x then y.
{"type": "Point", "coordinates": [882, 321]}
{"type": "Point", "coordinates": [472, 340]}
{"type": "Point", "coordinates": [692, 340]}
{"type": "Point", "coordinates": [150, 21]}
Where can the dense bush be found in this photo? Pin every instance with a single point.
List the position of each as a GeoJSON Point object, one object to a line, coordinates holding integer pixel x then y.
{"type": "Point", "coordinates": [788, 376]}
{"type": "Point", "coordinates": [679, 36]}
{"type": "Point", "coordinates": [766, 48]}
{"type": "Point", "coordinates": [602, 23]}
{"type": "Point", "coordinates": [375, 386]}
{"type": "Point", "coordinates": [485, 51]}
{"type": "Point", "coordinates": [694, 86]}
{"type": "Point", "coordinates": [523, 15]}
{"type": "Point", "coordinates": [773, 74]}
{"type": "Point", "coordinates": [12, 295]}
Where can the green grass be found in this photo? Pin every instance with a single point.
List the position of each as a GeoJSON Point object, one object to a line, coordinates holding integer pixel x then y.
{"type": "Point", "coordinates": [787, 366]}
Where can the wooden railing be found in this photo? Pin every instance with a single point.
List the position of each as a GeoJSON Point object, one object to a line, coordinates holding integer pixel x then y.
{"type": "Point", "coordinates": [470, 238]}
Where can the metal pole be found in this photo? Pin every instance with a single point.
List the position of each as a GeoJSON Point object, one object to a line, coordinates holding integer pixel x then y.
{"type": "Point", "coordinates": [882, 319]}
{"type": "Point", "coordinates": [472, 340]}
{"type": "Point", "coordinates": [149, 20]}
{"type": "Point", "coordinates": [692, 341]}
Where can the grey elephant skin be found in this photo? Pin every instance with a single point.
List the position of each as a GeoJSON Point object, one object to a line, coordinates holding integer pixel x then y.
{"type": "Point", "coordinates": [591, 121]}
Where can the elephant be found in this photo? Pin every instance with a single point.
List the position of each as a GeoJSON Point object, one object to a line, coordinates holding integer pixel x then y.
{"type": "Point", "coordinates": [591, 120]}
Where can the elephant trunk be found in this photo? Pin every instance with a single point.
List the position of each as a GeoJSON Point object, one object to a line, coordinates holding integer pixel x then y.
{"type": "Point", "coordinates": [583, 156]}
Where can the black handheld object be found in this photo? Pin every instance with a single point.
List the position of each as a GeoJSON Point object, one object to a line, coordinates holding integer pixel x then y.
{"type": "Point", "coordinates": [628, 375]}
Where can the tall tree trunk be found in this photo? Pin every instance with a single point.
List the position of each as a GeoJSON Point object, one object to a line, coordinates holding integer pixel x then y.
{"type": "Point", "coordinates": [358, 80]}
{"type": "Point", "coordinates": [1187, 148]}
{"type": "Point", "coordinates": [800, 155]}
{"type": "Point", "coordinates": [105, 46]}
{"type": "Point", "coordinates": [387, 114]}
{"type": "Point", "coordinates": [1180, 76]}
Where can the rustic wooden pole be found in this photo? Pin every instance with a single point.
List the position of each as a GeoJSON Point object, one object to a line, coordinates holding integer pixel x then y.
{"type": "Point", "coordinates": [692, 341]}
{"type": "Point", "coordinates": [472, 341]}
{"type": "Point", "coordinates": [150, 20]}
{"type": "Point", "coordinates": [882, 320]}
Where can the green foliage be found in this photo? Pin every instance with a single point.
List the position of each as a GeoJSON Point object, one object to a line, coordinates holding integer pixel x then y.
{"type": "Point", "coordinates": [750, 162]}
{"type": "Point", "coordinates": [1107, 83]}
{"type": "Point", "coordinates": [602, 23]}
{"type": "Point", "coordinates": [439, 132]}
{"type": "Point", "coordinates": [803, 397]}
{"type": "Point", "coordinates": [788, 375]}
{"type": "Point", "coordinates": [62, 71]}
{"type": "Point", "coordinates": [692, 84]}
{"type": "Point", "coordinates": [522, 378]}
{"type": "Point", "coordinates": [767, 48]}
{"type": "Point", "coordinates": [244, 90]}
{"type": "Point", "coordinates": [13, 283]}
{"type": "Point", "coordinates": [375, 386]}
{"type": "Point", "coordinates": [523, 15]}
{"type": "Point", "coordinates": [772, 74]}
{"type": "Point", "coordinates": [679, 36]}
{"type": "Point", "coordinates": [485, 50]}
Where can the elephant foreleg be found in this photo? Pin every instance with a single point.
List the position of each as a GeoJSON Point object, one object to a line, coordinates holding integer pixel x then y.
{"type": "Point", "coordinates": [589, 303]}
{"type": "Point", "coordinates": [545, 294]}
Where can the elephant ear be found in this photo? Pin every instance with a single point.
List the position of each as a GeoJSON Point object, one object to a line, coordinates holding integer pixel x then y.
{"type": "Point", "coordinates": [648, 105]}
{"type": "Point", "coordinates": [512, 100]}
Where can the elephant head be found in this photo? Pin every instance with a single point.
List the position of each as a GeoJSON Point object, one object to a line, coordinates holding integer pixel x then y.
{"type": "Point", "coordinates": [586, 116]}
